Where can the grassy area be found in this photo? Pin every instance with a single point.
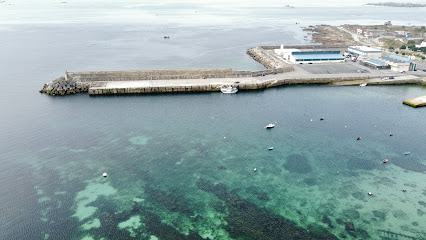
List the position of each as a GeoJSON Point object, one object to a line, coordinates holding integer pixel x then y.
{"type": "Point", "coordinates": [387, 43]}
{"type": "Point", "coordinates": [417, 31]}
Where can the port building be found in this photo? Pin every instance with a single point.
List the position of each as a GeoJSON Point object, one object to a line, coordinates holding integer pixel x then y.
{"type": "Point", "coordinates": [299, 55]}
{"type": "Point", "coordinates": [375, 64]}
{"type": "Point", "coordinates": [364, 53]}
{"type": "Point", "coordinates": [398, 63]}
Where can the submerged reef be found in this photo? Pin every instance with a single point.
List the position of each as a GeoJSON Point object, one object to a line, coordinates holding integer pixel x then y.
{"type": "Point", "coordinates": [297, 164]}
{"type": "Point", "coordinates": [248, 221]}
{"type": "Point", "coordinates": [172, 202]}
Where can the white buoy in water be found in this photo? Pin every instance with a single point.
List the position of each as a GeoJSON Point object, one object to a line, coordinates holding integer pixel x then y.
{"type": "Point", "coordinates": [105, 174]}
{"type": "Point", "coordinates": [369, 194]}
{"type": "Point", "coordinates": [254, 170]}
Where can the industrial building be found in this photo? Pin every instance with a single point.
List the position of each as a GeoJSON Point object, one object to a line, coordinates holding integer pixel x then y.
{"type": "Point", "coordinates": [397, 63]}
{"type": "Point", "coordinates": [375, 64]}
{"type": "Point", "coordinates": [364, 53]}
{"type": "Point", "coordinates": [295, 55]}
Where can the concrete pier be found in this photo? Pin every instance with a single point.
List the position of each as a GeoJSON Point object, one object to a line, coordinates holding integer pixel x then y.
{"type": "Point", "coordinates": [278, 73]}
{"type": "Point", "coordinates": [416, 102]}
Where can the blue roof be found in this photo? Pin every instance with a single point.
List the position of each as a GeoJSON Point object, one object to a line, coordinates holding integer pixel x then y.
{"type": "Point", "coordinates": [316, 57]}
{"type": "Point", "coordinates": [377, 62]}
{"type": "Point", "coordinates": [399, 58]}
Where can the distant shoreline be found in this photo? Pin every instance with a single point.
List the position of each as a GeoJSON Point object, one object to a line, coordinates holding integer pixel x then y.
{"type": "Point", "coordinates": [393, 4]}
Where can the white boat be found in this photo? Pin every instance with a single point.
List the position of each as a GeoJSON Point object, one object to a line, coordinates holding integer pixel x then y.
{"type": "Point", "coordinates": [363, 84]}
{"type": "Point", "coordinates": [271, 125]}
{"type": "Point", "coordinates": [228, 89]}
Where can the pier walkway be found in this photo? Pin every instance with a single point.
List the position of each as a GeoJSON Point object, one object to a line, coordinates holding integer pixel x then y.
{"type": "Point", "coordinates": [248, 83]}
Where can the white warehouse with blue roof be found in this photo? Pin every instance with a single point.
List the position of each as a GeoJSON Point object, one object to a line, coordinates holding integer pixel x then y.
{"type": "Point", "coordinates": [295, 56]}
{"type": "Point", "coordinates": [364, 53]}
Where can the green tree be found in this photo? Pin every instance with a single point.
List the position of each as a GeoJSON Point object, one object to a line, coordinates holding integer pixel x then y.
{"type": "Point", "coordinates": [403, 47]}
{"type": "Point", "coordinates": [423, 58]}
{"type": "Point", "coordinates": [391, 48]}
{"type": "Point", "coordinates": [397, 52]}
{"type": "Point", "coordinates": [403, 53]}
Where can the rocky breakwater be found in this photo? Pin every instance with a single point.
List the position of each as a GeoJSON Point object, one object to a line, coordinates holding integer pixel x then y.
{"type": "Point", "coordinates": [268, 60]}
{"type": "Point", "coordinates": [64, 86]}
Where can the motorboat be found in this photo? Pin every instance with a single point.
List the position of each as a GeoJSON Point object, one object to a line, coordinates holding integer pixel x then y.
{"type": "Point", "coordinates": [363, 84]}
{"type": "Point", "coordinates": [406, 152]}
{"type": "Point", "coordinates": [228, 89]}
{"type": "Point", "coordinates": [271, 125]}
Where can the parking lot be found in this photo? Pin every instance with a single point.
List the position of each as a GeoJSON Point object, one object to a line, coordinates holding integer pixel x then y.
{"type": "Point", "coordinates": [334, 68]}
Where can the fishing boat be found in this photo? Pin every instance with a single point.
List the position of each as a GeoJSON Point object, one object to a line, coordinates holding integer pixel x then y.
{"type": "Point", "coordinates": [228, 89]}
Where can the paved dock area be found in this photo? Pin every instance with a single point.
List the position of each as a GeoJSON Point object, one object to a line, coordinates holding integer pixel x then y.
{"type": "Point", "coordinates": [416, 102]}
{"type": "Point", "coordinates": [347, 73]}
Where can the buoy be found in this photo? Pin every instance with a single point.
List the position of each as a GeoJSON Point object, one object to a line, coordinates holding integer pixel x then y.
{"type": "Point", "coordinates": [390, 134]}
{"type": "Point", "coordinates": [346, 126]}
{"type": "Point", "coordinates": [311, 120]}
{"type": "Point", "coordinates": [255, 169]}
{"type": "Point", "coordinates": [105, 174]}
{"type": "Point", "coordinates": [359, 138]}
{"type": "Point", "coordinates": [370, 194]}
{"type": "Point", "coordinates": [385, 160]}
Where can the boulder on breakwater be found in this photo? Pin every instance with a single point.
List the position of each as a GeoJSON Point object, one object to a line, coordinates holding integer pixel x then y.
{"type": "Point", "coordinates": [63, 86]}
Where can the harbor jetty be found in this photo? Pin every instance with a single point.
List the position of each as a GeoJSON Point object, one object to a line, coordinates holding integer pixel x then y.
{"type": "Point", "coordinates": [277, 73]}
{"type": "Point", "coordinates": [416, 102]}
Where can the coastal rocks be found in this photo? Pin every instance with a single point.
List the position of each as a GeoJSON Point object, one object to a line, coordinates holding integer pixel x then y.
{"type": "Point", "coordinates": [380, 215]}
{"type": "Point", "coordinates": [327, 220]}
{"type": "Point", "coordinates": [349, 226]}
{"type": "Point", "coordinates": [351, 214]}
{"type": "Point", "coordinates": [63, 86]}
{"type": "Point", "coordinates": [156, 227]}
{"type": "Point", "coordinates": [172, 202]}
{"type": "Point", "coordinates": [261, 56]}
{"type": "Point", "coordinates": [248, 221]}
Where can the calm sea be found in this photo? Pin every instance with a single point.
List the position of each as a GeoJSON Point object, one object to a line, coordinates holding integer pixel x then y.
{"type": "Point", "coordinates": [180, 166]}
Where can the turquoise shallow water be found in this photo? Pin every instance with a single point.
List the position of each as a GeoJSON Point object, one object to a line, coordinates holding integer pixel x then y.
{"type": "Point", "coordinates": [181, 166]}
{"type": "Point", "coordinates": [156, 150]}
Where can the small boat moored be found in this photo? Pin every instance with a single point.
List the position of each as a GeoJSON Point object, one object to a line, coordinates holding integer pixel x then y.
{"type": "Point", "coordinates": [271, 125]}
{"type": "Point", "coordinates": [228, 89]}
{"type": "Point", "coordinates": [363, 84]}
{"type": "Point", "coordinates": [406, 152]}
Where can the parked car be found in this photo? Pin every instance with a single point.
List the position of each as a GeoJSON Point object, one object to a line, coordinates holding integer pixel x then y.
{"type": "Point", "coordinates": [391, 78]}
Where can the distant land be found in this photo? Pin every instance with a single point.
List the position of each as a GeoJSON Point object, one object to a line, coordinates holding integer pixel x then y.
{"type": "Point", "coordinates": [393, 4]}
